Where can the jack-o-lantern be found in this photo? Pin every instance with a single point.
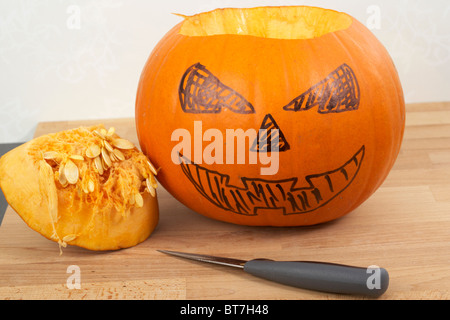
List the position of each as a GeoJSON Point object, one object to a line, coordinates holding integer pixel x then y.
{"type": "Point", "coordinates": [269, 116]}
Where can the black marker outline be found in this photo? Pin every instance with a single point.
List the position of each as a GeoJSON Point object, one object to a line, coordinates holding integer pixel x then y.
{"type": "Point", "coordinates": [202, 92]}
{"type": "Point", "coordinates": [264, 143]}
{"type": "Point", "coordinates": [252, 197]}
{"type": "Point", "coordinates": [338, 92]}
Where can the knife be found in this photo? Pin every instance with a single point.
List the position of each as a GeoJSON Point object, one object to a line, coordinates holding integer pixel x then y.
{"type": "Point", "coordinates": [316, 276]}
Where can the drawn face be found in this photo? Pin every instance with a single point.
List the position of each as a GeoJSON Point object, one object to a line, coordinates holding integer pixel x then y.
{"type": "Point", "coordinates": [329, 106]}
{"type": "Point", "coordinates": [201, 92]}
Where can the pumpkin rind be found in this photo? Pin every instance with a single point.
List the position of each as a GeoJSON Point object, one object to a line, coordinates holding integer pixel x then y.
{"type": "Point", "coordinates": [273, 76]}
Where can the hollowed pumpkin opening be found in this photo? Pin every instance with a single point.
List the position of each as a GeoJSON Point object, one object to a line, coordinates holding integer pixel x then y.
{"type": "Point", "coordinates": [296, 22]}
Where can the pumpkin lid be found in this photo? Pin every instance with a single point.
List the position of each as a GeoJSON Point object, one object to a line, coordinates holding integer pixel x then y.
{"type": "Point", "coordinates": [86, 187]}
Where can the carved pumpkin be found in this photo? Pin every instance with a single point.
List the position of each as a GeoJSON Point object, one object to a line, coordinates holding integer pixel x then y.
{"type": "Point", "coordinates": [316, 81]}
{"type": "Point", "coordinates": [85, 187]}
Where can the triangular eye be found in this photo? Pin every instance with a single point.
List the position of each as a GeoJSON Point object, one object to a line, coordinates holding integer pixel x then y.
{"type": "Point", "coordinates": [270, 138]}
{"type": "Point", "coordinates": [201, 92]}
{"type": "Point", "coordinates": [339, 92]}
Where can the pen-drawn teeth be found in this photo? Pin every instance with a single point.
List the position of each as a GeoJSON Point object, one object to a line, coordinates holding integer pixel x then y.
{"type": "Point", "coordinates": [287, 196]}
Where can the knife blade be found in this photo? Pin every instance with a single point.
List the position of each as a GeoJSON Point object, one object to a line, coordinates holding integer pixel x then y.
{"type": "Point", "coordinates": [310, 275]}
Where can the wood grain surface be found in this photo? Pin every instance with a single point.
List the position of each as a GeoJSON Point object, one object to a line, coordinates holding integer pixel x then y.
{"type": "Point", "coordinates": [404, 227]}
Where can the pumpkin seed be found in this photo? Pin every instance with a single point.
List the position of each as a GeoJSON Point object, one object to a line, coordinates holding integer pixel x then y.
{"type": "Point", "coordinates": [123, 144]}
{"type": "Point", "coordinates": [98, 134]}
{"type": "Point", "coordinates": [91, 186]}
{"type": "Point", "coordinates": [93, 151]}
{"type": "Point", "coordinates": [108, 146]}
{"type": "Point", "coordinates": [98, 165]}
{"type": "Point", "coordinates": [71, 172]}
{"type": "Point", "coordinates": [139, 200]}
{"type": "Point", "coordinates": [105, 167]}
{"type": "Point", "coordinates": [152, 182]}
{"type": "Point", "coordinates": [118, 154]}
{"type": "Point", "coordinates": [152, 168]}
{"type": "Point", "coordinates": [51, 155]}
{"type": "Point", "coordinates": [152, 191]}
{"type": "Point", "coordinates": [113, 157]}
{"type": "Point", "coordinates": [76, 157]}
{"type": "Point", "coordinates": [61, 177]}
{"type": "Point", "coordinates": [106, 158]}
{"type": "Point", "coordinates": [111, 132]}
{"type": "Point", "coordinates": [148, 185]}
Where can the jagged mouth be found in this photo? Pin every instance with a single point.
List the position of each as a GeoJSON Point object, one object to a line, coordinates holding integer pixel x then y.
{"type": "Point", "coordinates": [259, 196]}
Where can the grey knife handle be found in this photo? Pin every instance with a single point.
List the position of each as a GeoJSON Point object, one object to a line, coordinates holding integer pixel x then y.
{"type": "Point", "coordinates": [324, 277]}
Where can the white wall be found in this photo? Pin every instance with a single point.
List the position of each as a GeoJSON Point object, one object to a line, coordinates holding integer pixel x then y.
{"type": "Point", "coordinates": [81, 59]}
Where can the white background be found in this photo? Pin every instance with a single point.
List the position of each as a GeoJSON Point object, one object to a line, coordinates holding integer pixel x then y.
{"type": "Point", "coordinates": [72, 60]}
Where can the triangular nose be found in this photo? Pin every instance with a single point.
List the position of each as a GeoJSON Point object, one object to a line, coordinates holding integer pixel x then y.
{"type": "Point", "coordinates": [266, 140]}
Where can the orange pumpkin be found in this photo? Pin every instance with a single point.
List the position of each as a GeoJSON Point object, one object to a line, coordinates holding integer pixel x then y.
{"type": "Point", "coordinates": [318, 78]}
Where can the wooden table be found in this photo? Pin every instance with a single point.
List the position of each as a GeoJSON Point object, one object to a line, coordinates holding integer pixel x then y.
{"type": "Point", "coordinates": [404, 227]}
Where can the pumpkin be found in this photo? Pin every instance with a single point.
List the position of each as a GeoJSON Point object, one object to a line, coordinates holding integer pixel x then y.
{"type": "Point", "coordinates": [310, 93]}
{"type": "Point", "coordinates": [85, 187]}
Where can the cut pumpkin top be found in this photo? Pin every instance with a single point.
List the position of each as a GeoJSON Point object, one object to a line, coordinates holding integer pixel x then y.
{"type": "Point", "coordinates": [292, 22]}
